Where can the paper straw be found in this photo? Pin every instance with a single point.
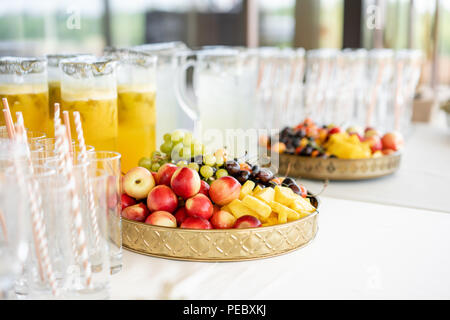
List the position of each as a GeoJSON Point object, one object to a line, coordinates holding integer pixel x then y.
{"type": "Point", "coordinates": [3, 226]}
{"type": "Point", "coordinates": [69, 135]}
{"type": "Point", "coordinates": [8, 119]}
{"type": "Point", "coordinates": [87, 183]}
{"type": "Point", "coordinates": [38, 225]}
{"type": "Point", "coordinates": [62, 145]}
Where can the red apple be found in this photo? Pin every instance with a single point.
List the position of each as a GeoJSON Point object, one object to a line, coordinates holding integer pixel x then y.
{"type": "Point", "coordinates": [374, 143]}
{"type": "Point", "coordinates": [138, 182]}
{"type": "Point", "coordinates": [196, 223]}
{"type": "Point", "coordinates": [222, 220]}
{"type": "Point", "coordinates": [185, 182]}
{"type": "Point", "coordinates": [137, 212]}
{"type": "Point", "coordinates": [247, 222]}
{"type": "Point", "coordinates": [162, 218]}
{"type": "Point", "coordinates": [334, 130]}
{"type": "Point", "coordinates": [127, 201]}
{"type": "Point", "coordinates": [162, 198]}
{"type": "Point", "coordinates": [224, 190]}
{"type": "Point", "coordinates": [204, 188]}
{"type": "Point", "coordinates": [112, 192]}
{"type": "Point", "coordinates": [155, 176]}
{"type": "Point", "coordinates": [165, 173]}
{"type": "Point", "coordinates": [199, 206]}
{"type": "Point", "coordinates": [392, 140]}
{"type": "Point", "coordinates": [181, 215]}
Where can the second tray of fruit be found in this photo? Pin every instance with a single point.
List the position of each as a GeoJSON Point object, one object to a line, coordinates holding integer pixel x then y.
{"type": "Point", "coordinates": [208, 191]}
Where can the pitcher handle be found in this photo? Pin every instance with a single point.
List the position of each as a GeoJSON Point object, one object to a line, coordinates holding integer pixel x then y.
{"type": "Point", "coordinates": [187, 105]}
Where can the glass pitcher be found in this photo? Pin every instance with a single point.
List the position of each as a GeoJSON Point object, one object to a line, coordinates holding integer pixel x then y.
{"type": "Point", "coordinates": [23, 81]}
{"type": "Point", "coordinates": [170, 55]}
{"type": "Point", "coordinates": [224, 86]}
{"type": "Point", "coordinates": [88, 85]}
{"type": "Point", "coordinates": [136, 82]}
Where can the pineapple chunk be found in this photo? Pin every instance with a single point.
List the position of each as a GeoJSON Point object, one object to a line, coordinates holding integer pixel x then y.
{"type": "Point", "coordinates": [267, 195]}
{"type": "Point", "coordinates": [246, 189]}
{"type": "Point", "coordinates": [302, 206]}
{"type": "Point", "coordinates": [283, 212]}
{"type": "Point", "coordinates": [238, 209]}
{"type": "Point", "coordinates": [257, 205]}
{"type": "Point", "coordinates": [273, 218]}
{"type": "Point", "coordinates": [256, 190]}
{"type": "Point", "coordinates": [284, 195]}
{"type": "Point", "coordinates": [226, 208]}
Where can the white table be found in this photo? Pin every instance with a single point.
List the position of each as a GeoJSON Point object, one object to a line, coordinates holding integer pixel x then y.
{"type": "Point", "coordinates": [362, 251]}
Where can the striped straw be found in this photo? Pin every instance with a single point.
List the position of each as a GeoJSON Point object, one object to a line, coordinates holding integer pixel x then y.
{"type": "Point", "coordinates": [39, 230]}
{"type": "Point", "coordinates": [87, 182]}
{"type": "Point", "coordinates": [67, 172]}
{"type": "Point", "coordinates": [8, 119]}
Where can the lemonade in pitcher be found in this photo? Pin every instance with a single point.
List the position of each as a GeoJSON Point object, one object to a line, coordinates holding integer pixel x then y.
{"type": "Point", "coordinates": [23, 82]}
{"type": "Point", "coordinates": [88, 85]}
{"type": "Point", "coordinates": [136, 104]}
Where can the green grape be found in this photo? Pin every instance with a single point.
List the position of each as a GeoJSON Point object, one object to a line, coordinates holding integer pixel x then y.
{"type": "Point", "coordinates": [177, 136]}
{"type": "Point", "coordinates": [182, 163]}
{"type": "Point", "coordinates": [194, 166]}
{"type": "Point", "coordinates": [167, 137]}
{"type": "Point", "coordinates": [185, 153]}
{"type": "Point", "coordinates": [221, 173]}
{"type": "Point", "coordinates": [166, 147]}
{"type": "Point", "coordinates": [156, 154]}
{"type": "Point", "coordinates": [209, 160]}
{"type": "Point", "coordinates": [145, 162]}
{"type": "Point", "coordinates": [155, 166]}
{"type": "Point", "coordinates": [206, 171]}
{"type": "Point", "coordinates": [196, 148]}
{"type": "Point", "coordinates": [187, 139]}
{"type": "Point", "coordinates": [219, 161]}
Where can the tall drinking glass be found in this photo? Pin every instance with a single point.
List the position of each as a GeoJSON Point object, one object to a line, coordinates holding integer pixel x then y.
{"type": "Point", "coordinates": [110, 163]}
{"type": "Point", "coordinates": [23, 81]}
{"type": "Point", "coordinates": [88, 85]}
{"type": "Point", "coordinates": [136, 86]}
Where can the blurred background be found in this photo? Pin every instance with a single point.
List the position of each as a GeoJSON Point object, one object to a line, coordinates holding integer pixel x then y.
{"type": "Point", "coordinates": [47, 26]}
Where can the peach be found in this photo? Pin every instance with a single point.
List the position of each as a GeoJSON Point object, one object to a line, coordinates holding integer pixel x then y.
{"type": "Point", "coordinates": [196, 223]}
{"type": "Point", "coordinates": [222, 220]}
{"type": "Point", "coordinates": [247, 222]}
{"type": "Point", "coordinates": [137, 212]}
{"type": "Point", "coordinates": [387, 151]}
{"type": "Point", "coordinates": [126, 200]}
{"type": "Point", "coordinates": [224, 190]}
{"type": "Point", "coordinates": [138, 182]}
{"type": "Point", "coordinates": [165, 173]}
{"type": "Point", "coordinates": [370, 132]}
{"type": "Point", "coordinates": [204, 188]}
{"type": "Point", "coordinates": [162, 198]}
{"type": "Point", "coordinates": [181, 215]}
{"type": "Point", "coordinates": [199, 206]}
{"type": "Point", "coordinates": [155, 176]}
{"type": "Point", "coordinates": [392, 140]}
{"type": "Point", "coordinates": [162, 218]}
{"type": "Point", "coordinates": [185, 182]}
{"type": "Point", "coordinates": [374, 143]}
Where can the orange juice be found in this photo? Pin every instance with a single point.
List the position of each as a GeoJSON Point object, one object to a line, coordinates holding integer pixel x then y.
{"type": "Point", "coordinates": [136, 108]}
{"type": "Point", "coordinates": [32, 101]}
{"type": "Point", "coordinates": [54, 96]}
{"type": "Point", "coordinates": [98, 118]}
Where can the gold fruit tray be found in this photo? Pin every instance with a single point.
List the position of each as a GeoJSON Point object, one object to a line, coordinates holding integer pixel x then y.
{"type": "Point", "coordinates": [338, 169]}
{"type": "Point", "coordinates": [219, 245]}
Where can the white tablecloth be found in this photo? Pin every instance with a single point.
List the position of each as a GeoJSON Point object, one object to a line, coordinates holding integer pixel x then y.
{"type": "Point", "coordinates": [362, 251]}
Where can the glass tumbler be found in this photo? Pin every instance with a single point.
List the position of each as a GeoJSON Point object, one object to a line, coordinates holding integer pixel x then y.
{"type": "Point", "coordinates": [110, 162]}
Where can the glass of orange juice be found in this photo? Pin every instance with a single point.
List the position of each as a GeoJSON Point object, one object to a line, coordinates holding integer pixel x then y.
{"type": "Point", "coordinates": [136, 72]}
{"type": "Point", "coordinates": [23, 81]}
{"type": "Point", "coordinates": [88, 85]}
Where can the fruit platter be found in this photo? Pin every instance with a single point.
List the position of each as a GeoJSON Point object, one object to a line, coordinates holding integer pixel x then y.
{"type": "Point", "coordinates": [211, 207]}
{"type": "Point", "coordinates": [329, 152]}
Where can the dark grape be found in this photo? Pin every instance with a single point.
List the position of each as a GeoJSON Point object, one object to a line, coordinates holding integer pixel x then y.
{"type": "Point", "coordinates": [255, 170]}
{"type": "Point", "coordinates": [264, 175]}
{"type": "Point", "coordinates": [296, 189]}
{"type": "Point", "coordinates": [243, 176]}
{"type": "Point", "coordinates": [288, 181]}
{"type": "Point", "coordinates": [232, 167]}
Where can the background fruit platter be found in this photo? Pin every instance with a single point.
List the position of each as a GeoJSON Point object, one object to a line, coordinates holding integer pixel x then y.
{"type": "Point", "coordinates": [329, 152]}
{"type": "Point", "coordinates": [212, 207]}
